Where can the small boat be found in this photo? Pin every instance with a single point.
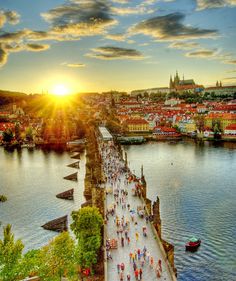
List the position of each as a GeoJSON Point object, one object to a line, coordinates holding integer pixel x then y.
{"type": "Point", "coordinates": [192, 244]}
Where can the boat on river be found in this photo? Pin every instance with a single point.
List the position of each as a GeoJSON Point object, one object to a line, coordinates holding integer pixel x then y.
{"type": "Point", "coordinates": [192, 244]}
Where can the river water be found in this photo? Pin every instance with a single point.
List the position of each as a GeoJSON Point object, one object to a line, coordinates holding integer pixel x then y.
{"type": "Point", "coordinates": [31, 180]}
{"type": "Point", "coordinates": [196, 185]}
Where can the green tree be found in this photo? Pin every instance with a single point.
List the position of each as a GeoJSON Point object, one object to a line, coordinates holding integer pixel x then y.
{"type": "Point", "coordinates": [3, 198]}
{"type": "Point", "coordinates": [87, 223]}
{"type": "Point", "coordinates": [58, 258]}
{"type": "Point", "coordinates": [30, 264]}
{"type": "Point", "coordinates": [7, 136]}
{"type": "Point", "coordinates": [10, 255]}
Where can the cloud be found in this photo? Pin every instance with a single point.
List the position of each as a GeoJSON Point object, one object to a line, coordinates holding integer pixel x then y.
{"type": "Point", "coordinates": [230, 78]}
{"type": "Point", "coordinates": [11, 17]}
{"type": "Point", "coordinates": [13, 47]}
{"type": "Point", "coordinates": [115, 53]}
{"type": "Point", "coordinates": [8, 37]}
{"type": "Point", "coordinates": [6, 49]}
{"type": "Point", "coordinates": [233, 61]}
{"type": "Point", "coordinates": [170, 27]}
{"type": "Point", "coordinates": [184, 45]}
{"type": "Point", "coordinates": [75, 65]}
{"type": "Point", "coordinates": [209, 4]}
{"type": "Point", "coordinates": [204, 53]}
{"type": "Point", "coordinates": [3, 55]}
{"type": "Point", "coordinates": [37, 47]}
{"type": "Point", "coordinates": [80, 18]}
{"type": "Point", "coordinates": [116, 37]}
{"type": "Point", "coordinates": [138, 10]}
{"type": "Point", "coordinates": [121, 1]}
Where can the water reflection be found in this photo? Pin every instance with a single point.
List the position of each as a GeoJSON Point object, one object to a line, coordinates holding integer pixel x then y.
{"type": "Point", "coordinates": [31, 180]}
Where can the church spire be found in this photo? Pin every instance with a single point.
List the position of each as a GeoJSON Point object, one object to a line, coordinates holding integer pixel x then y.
{"type": "Point", "coordinates": [171, 82]}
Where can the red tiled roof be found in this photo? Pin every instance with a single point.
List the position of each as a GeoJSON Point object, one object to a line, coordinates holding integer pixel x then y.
{"type": "Point", "coordinates": [5, 126]}
{"type": "Point", "coordinates": [231, 127]}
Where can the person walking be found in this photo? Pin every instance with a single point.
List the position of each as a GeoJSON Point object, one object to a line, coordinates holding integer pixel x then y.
{"type": "Point", "coordinates": [130, 256]}
{"type": "Point", "coordinates": [122, 241]}
{"type": "Point", "coordinates": [151, 262]}
{"type": "Point", "coordinates": [140, 273]}
{"type": "Point", "coordinates": [128, 277]}
{"type": "Point", "coordinates": [159, 264]}
{"type": "Point", "coordinates": [136, 274]}
{"type": "Point", "coordinates": [118, 268]}
{"type": "Point", "coordinates": [121, 276]}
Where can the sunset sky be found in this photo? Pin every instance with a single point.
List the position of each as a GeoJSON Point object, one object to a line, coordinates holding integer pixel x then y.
{"type": "Point", "coordinates": [90, 45]}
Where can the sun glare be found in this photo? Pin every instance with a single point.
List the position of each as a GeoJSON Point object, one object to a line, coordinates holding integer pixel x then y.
{"type": "Point", "coordinates": [60, 90]}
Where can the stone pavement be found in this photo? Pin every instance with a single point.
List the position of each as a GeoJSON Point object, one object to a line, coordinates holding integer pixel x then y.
{"type": "Point", "coordinates": [121, 254]}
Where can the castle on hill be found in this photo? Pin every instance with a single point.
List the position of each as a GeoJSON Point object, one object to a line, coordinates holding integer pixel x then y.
{"type": "Point", "coordinates": [184, 85]}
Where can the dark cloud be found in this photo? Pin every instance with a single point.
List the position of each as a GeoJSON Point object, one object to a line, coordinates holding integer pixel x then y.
{"type": "Point", "coordinates": [170, 27]}
{"type": "Point", "coordinates": [114, 53]}
{"type": "Point", "coordinates": [13, 47]}
{"type": "Point", "coordinates": [80, 18]}
{"type": "Point", "coordinates": [37, 47]}
{"type": "Point", "coordinates": [8, 37]}
{"type": "Point", "coordinates": [209, 4]}
{"type": "Point", "coordinates": [11, 17]}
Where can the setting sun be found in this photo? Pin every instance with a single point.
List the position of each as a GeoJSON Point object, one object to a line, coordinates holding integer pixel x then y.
{"type": "Point", "coordinates": [60, 90]}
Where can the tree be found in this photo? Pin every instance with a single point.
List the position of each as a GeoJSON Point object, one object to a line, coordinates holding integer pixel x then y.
{"type": "Point", "coordinates": [87, 223]}
{"type": "Point", "coordinates": [10, 255]}
{"type": "Point", "coordinates": [17, 132]}
{"type": "Point", "coordinates": [58, 258]}
{"type": "Point", "coordinates": [29, 134]}
{"type": "Point", "coordinates": [7, 136]}
{"type": "Point", "coordinates": [30, 264]}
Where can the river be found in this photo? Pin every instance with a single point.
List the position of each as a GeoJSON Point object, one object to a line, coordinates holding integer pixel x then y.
{"type": "Point", "coordinates": [196, 185]}
{"type": "Point", "coordinates": [31, 180]}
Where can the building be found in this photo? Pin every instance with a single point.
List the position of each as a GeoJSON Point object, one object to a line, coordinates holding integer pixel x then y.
{"type": "Point", "coordinates": [230, 130]}
{"type": "Point", "coordinates": [184, 85]}
{"type": "Point", "coordinates": [165, 133]}
{"type": "Point", "coordinates": [219, 90]}
{"type": "Point", "coordinates": [137, 125]}
{"type": "Point", "coordinates": [221, 119]}
{"type": "Point", "coordinates": [162, 90]}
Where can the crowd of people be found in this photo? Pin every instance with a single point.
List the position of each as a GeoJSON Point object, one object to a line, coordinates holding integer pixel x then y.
{"type": "Point", "coordinates": [124, 215]}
